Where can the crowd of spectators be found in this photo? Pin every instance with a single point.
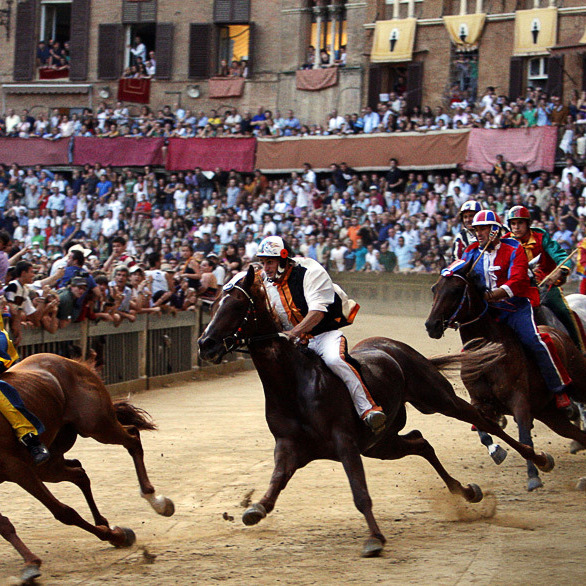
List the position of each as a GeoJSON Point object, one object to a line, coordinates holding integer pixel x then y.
{"type": "Point", "coordinates": [105, 244]}
{"type": "Point", "coordinates": [53, 54]}
{"type": "Point", "coordinates": [390, 116]}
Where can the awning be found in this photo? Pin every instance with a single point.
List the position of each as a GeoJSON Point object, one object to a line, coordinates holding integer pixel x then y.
{"type": "Point", "coordinates": [535, 31]}
{"type": "Point", "coordinates": [393, 40]}
{"type": "Point", "coordinates": [46, 88]}
{"type": "Point", "coordinates": [575, 44]}
{"type": "Point", "coordinates": [465, 29]}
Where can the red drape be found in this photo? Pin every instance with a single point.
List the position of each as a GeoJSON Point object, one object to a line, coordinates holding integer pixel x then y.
{"type": "Point", "coordinates": [209, 153]}
{"type": "Point", "coordinates": [532, 147]}
{"type": "Point", "coordinates": [34, 151]}
{"type": "Point", "coordinates": [226, 87]}
{"type": "Point", "coordinates": [132, 89]}
{"type": "Point", "coordinates": [118, 152]}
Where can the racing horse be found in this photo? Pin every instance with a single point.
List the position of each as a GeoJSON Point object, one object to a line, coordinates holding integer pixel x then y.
{"type": "Point", "coordinates": [309, 410]}
{"type": "Point", "coordinates": [515, 387]}
{"type": "Point", "coordinates": [71, 400]}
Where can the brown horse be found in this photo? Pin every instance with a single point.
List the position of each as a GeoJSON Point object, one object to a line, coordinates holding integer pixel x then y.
{"type": "Point", "coordinates": [309, 410]}
{"type": "Point", "coordinates": [71, 400]}
{"type": "Point", "coordinates": [515, 386]}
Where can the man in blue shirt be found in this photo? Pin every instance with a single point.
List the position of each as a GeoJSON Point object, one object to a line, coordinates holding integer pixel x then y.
{"type": "Point", "coordinates": [104, 186]}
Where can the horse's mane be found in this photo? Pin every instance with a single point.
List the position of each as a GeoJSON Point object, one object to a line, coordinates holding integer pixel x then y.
{"type": "Point", "coordinates": [259, 292]}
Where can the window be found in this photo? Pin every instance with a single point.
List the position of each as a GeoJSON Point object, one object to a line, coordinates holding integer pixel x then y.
{"type": "Point", "coordinates": [137, 34]}
{"type": "Point", "coordinates": [463, 75]}
{"type": "Point", "coordinates": [332, 20]}
{"type": "Point", "coordinates": [537, 72]}
{"type": "Point", "coordinates": [55, 21]}
{"type": "Point", "coordinates": [234, 43]}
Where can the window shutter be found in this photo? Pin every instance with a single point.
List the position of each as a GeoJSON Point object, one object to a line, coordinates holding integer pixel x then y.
{"type": "Point", "coordinates": [110, 51]}
{"type": "Point", "coordinates": [516, 77]}
{"type": "Point", "coordinates": [555, 76]}
{"type": "Point", "coordinates": [251, 41]}
{"type": "Point", "coordinates": [79, 40]}
{"type": "Point", "coordinates": [199, 50]}
{"type": "Point", "coordinates": [374, 86]}
{"type": "Point", "coordinates": [231, 11]}
{"type": "Point", "coordinates": [25, 40]}
{"type": "Point", "coordinates": [164, 51]}
{"type": "Point", "coordinates": [240, 10]}
{"type": "Point", "coordinates": [414, 85]}
{"type": "Point", "coordinates": [222, 11]}
{"type": "Point", "coordinates": [139, 11]}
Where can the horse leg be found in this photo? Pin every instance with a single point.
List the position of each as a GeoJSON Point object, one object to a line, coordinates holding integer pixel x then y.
{"type": "Point", "coordinates": [349, 455]}
{"type": "Point", "coordinates": [61, 470]}
{"type": "Point", "coordinates": [286, 463]}
{"type": "Point", "coordinates": [112, 432]}
{"type": "Point", "coordinates": [524, 421]}
{"type": "Point", "coordinates": [576, 446]}
{"type": "Point", "coordinates": [559, 423]}
{"type": "Point", "coordinates": [414, 444]}
{"type": "Point", "coordinates": [32, 562]}
{"type": "Point", "coordinates": [26, 477]}
{"type": "Point", "coordinates": [495, 451]}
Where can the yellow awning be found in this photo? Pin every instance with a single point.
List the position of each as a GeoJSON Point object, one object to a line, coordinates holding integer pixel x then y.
{"type": "Point", "coordinates": [465, 29]}
{"type": "Point", "coordinates": [535, 30]}
{"type": "Point", "coordinates": [393, 40]}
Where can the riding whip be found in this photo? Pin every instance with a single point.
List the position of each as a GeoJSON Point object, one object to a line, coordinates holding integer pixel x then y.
{"type": "Point", "coordinates": [563, 262]}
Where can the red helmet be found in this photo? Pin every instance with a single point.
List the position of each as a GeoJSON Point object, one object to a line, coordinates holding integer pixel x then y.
{"type": "Point", "coordinates": [487, 218]}
{"type": "Point", "coordinates": [519, 213]}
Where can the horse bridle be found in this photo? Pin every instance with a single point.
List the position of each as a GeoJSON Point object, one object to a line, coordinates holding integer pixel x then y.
{"type": "Point", "coordinates": [452, 321]}
{"type": "Point", "coordinates": [236, 341]}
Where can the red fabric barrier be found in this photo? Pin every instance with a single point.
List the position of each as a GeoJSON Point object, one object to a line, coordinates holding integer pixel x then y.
{"type": "Point", "coordinates": [209, 153]}
{"type": "Point", "coordinates": [226, 87]}
{"type": "Point", "coordinates": [34, 151]}
{"type": "Point", "coordinates": [533, 147]}
{"type": "Point", "coordinates": [316, 79]}
{"type": "Point", "coordinates": [136, 90]}
{"type": "Point", "coordinates": [118, 152]}
{"type": "Point", "coordinates": [49, 73]}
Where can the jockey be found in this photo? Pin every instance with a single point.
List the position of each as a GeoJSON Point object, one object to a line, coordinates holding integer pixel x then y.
{"type": "Point", "coordinates": [502, 266]}
{"type": "Point", "coordinates": [309, 305]}
{"type": "Point", "coordinates": [26, 426]}
{"type": "Point", "coordinates": [466, 235]}
{"type": "Point", "coordinates": [537, 242]}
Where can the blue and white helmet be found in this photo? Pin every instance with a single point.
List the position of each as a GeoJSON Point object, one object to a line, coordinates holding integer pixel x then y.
{"type": "Point", "coordinates": [470, 206]}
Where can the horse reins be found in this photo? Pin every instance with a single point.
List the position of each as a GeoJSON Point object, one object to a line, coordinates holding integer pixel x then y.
{"type": "Point", "coordinates": [236, 341]}
{"type": "Point", "coordinates": [451, 322]}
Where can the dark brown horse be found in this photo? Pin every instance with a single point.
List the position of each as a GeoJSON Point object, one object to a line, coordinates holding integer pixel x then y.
{"type": "Point", "coordinates": [71, 400]}
{"type": "Point", "coordinates": [309, 410]}
{"type": "Point", "coordinates": [515, 386]}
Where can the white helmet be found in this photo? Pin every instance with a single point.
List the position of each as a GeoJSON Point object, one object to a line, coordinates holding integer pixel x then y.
{"type": "Point", "coordinates": [272, 247]}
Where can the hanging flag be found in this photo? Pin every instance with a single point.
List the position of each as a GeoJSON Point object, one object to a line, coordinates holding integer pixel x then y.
{"type": "Point", "coordinates": [393, 40]}
{"type": "Point", "coordinates": [535, 31]}
{"type": "Point", "coordinates": [465, 29]}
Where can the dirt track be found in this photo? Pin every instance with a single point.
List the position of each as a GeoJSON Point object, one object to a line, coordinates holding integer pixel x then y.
{"type": "Point", "coordinates": [213, 448]}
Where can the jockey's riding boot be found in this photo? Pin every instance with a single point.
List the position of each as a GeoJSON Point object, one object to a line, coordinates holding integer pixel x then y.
{"type": "Point", "coordinates": [376, 421]}
{"type": "Point", "coordinates": [562, 401]}
{"type": "Point", "coordinates": [37, 450]}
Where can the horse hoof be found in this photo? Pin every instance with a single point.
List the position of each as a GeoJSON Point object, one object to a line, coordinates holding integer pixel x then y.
{"type": "Point", "coordinates": [166, 507]}
{"type": "Point", "coordinates": [549, 465]}
{"type": "Point", "coordinates": [30, 573]}
{"type": "Point", "coordinates": [254, 514]}
{"type": "Point", "coordinates": [373, 547]}
{"type": "Point", "coordinates": [534, 483]}
{"type": "Point", "coordinates": [497, 454]}
{"type": "Point", "coordinates": [581, 486]}
{"type": "Point", "coordinates": [477, 495]}
{"type": "Point", "coordinates": [576, 447]}
{"type": "Point", "coordinates": [127, 535]}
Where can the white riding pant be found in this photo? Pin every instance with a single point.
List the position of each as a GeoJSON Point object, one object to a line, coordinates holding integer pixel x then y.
{"type": "Point", "coordinates": [331, 346]}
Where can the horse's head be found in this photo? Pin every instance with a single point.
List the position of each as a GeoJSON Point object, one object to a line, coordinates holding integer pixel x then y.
{"type": "Point", "coordinates": [230, 325]}
{"type": "Point", "coordinates": [455, 300]}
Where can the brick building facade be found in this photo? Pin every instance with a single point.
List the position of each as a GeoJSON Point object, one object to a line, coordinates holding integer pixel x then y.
{"type": "Point", "coordinates": [190, 37]}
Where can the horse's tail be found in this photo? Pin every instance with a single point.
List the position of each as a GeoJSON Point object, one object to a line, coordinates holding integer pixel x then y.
{"type": "Point", "coordinates": [128, 414]}
{"type": "Point", "coordinates": [477, 356]}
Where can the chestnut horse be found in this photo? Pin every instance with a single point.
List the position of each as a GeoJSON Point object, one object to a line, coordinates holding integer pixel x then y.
{"type": "Point", "coordinates": [515, 386]}
{"type": "Point", "coordinates": [309, 410]}
{"type": "Point", "coordinates": [71, 400]}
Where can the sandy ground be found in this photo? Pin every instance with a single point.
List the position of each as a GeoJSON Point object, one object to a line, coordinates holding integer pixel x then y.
{"type": "Point", "coordinates": [214, 447]}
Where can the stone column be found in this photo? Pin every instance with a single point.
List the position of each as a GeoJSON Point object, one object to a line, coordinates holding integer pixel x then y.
{"type": "Point", "coordinates": [396, 9]}
{"type": "Point", "coordinates": [318, 11]}
{"type": "Point", "coordinates": [335, 12]}
{"type": "Point", "coordinates": [463, 7]}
